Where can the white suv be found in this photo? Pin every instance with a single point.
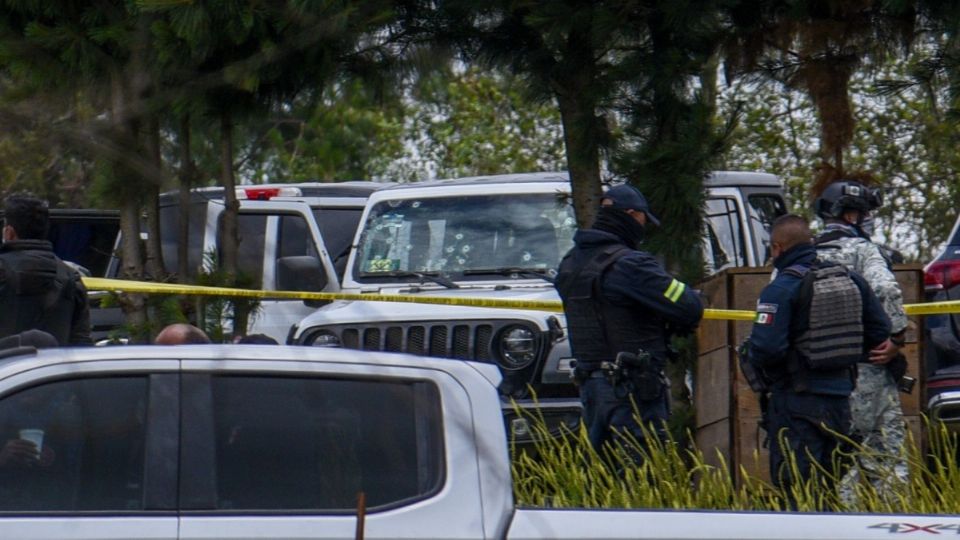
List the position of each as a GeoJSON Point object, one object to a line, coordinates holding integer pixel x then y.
{"type": "Point", "coordinates": [500, 237]}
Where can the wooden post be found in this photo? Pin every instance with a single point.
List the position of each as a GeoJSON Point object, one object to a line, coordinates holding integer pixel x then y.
{"type": "Point", "coordinates": [361, 514]}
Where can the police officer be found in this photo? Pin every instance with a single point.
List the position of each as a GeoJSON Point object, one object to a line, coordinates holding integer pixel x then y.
{"type": "Point", "coordinates": [618, 299]}
{"type": "Point", "coordinates": [845, 207]}
{"type": "Point", "coordinates": [37, 289]}
{"type": "Point", "coordinates": [805, 398]}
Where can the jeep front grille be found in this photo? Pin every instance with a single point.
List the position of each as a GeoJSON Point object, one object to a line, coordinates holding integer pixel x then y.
{"type": "Point", "coordinates": [463, 340]}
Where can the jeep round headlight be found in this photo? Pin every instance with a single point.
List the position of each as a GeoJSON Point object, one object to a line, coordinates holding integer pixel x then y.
{"type": "Point", "coordinates": [325, 338]}
{"type": "Point", "coordinates": [517, 346]}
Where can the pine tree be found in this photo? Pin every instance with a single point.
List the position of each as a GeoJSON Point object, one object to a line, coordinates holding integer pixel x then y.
{"type": "Point", "coordinates": [101, 50]}
{"type": "Point", "coordinates": [817, 46]}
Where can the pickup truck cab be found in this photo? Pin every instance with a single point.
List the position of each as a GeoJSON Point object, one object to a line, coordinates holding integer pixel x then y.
{"type": "Point", "coordinates": [493, 238]}
{"type": "Point", "coordinates": [248, 442]}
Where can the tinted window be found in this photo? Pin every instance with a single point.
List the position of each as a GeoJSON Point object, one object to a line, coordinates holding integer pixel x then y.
{"type": "Point", "coordinates": [337, 226]}
{"type": "Point", "coordinates": [170, 234]}
{"type": "Point", "coordinates": [724, 246]}
{"type": "Point", "coordinates": [313, 444]}
{"type": "Point", "coordinates": [90, 435]}
{"type": "Point", "coordinates": [88, 243]}
{"type": "Point", "coordinates": [252, 231]}
{"type": "Point", "coordinates": [295, 238]}
{"type": "Point", "coordinates": [764, 210]}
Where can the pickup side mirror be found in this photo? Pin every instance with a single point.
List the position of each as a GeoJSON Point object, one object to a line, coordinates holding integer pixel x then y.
{"type": "Point", "coordinates": [301, 273]}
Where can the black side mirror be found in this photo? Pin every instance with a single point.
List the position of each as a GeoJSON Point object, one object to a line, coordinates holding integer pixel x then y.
{"type": "Point", "coordinates": [301, 273]}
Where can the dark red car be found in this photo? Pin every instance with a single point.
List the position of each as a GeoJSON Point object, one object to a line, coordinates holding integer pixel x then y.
{"type": "Point", "coordinates": [942, 357]}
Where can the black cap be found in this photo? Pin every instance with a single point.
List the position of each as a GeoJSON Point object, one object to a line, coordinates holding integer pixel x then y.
{"type": "Point", "coordinates": [627, 197]}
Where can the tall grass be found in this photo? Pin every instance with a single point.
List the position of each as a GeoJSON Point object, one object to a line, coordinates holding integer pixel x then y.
{"type": "Point", "coordinates": [566, 472]}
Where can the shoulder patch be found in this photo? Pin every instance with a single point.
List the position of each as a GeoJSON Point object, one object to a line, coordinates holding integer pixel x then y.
{"type": "Point", "coordinates": [766, 308]}
{"type": "Point", "coordinates": [765, 319]}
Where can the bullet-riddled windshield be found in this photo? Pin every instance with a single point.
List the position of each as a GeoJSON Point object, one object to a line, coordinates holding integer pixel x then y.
{"type": "Point", "coordinates": [467, 237]}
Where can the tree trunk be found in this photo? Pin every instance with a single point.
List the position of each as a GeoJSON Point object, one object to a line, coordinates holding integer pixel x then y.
{"type": "Point", "coordinates": [708, 82]}
{"type": "Point", "coordinates": [123, 136]}
{"type": "Point", "coordinates": [574, 84]}
{"type": "Point", "coordinates": [154, 266]}
{"type": "Point", "coordinates": [583, 158]}
{"type": "Point", "coordinates": [187, 180]}
{"type": "Point", "coordinates": [827, 82]}
{"type": "Point", "coordinates": [230, 238]}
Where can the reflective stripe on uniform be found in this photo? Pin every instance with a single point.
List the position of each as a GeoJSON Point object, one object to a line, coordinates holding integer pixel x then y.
{"type": "Point", "coordinates": [674, 291]}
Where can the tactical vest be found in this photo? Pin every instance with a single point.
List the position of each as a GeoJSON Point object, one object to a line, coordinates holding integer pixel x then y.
{"type": "Point", "coordinates": [828, 332]}
{"type": "Point", "coordinates": [37, 292]}
{"type": "Point", "coordinates": [598, 330]}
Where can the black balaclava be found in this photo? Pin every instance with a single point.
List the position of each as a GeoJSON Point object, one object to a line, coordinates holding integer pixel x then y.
{"type": "Point", "coordinates": [857, 226]}
{"type": "Point", "coordinates": [620, 223]}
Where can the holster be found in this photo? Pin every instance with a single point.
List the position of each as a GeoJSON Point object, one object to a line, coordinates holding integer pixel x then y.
{"type": "Point", "coordinates": [577, 375]}
{"type": "Point", "coordinates": [637, 373]}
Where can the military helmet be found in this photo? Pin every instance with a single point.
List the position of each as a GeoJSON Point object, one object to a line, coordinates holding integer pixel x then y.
{"type": "Point", "coordinates": [844, 195]}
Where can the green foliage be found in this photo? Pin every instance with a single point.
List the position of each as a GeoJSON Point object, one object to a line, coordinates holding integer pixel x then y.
{"type": "Point", "coordinates": [903, 138]}
{"type": "Point", "coordinates": [326, 90]}
{"type": "Point", "coordinates": [481, 123]}
{"type": "Point", "coordinates": [776, 133]}
{"type": "Point", "coordinates": [670, 137]}
{"type": "Point", "coordinates": [566, 472]}
{"type": "Point", "coordinates": [164, 309]}
{"type": "Point", "coordinates": [816, 47]}
{"type": "Point", "coordinates": [347, 135]}
{"type": "Point", "coordinates": [217, 315]}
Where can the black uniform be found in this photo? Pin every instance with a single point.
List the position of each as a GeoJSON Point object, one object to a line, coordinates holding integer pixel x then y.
{"type": "Point", "coordinates": [39, 291]}
{"type": "Point", "coordinates": [803, 401]}
{"type": "Point", "coordinates": [617, 299]}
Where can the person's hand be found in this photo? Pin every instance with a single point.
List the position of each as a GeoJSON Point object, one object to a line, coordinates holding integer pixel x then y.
{"type": "Point", "coordinates": [883, 353]}
{"type": "Point", "coordinates": [19, 452]}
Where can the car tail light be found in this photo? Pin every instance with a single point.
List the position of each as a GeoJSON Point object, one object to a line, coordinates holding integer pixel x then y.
{"type": "Point", "coordinates": [944, 383]}
{"type": "Point", "coordinates": [940, 275]}
{"type": "Point", "coordinates": [265, 194]}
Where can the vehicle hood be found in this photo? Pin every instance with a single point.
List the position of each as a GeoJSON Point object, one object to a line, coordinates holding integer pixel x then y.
{"type": "Point", "coordinates": [347, 312]}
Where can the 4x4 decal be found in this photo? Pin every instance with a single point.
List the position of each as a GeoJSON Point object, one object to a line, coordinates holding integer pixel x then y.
{"type": "Point", "coordinates": [902, 528]}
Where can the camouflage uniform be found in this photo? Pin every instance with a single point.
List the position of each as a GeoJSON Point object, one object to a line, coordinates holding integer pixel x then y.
{"type": "Point", "coordinates": [875, 403]}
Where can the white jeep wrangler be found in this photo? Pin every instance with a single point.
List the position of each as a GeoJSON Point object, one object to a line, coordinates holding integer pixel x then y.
{"type": "Point", "coordinates": [500, 237]}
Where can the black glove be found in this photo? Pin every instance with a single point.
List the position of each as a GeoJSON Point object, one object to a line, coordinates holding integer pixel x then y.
{"type": "Point", "coordinates": [897, 366]}
{"type": "Point", "coordinates": [754, 376]}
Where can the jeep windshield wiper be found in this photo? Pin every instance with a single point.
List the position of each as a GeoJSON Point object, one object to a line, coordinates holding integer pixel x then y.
{"type": "Point", "coordinates": [424, 276]}
{"type": "Point", "coordinates": [542, 273]}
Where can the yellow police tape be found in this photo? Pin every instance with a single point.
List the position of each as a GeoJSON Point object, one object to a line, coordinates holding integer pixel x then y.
{"type": "Point", "coordinates": [146, 287]}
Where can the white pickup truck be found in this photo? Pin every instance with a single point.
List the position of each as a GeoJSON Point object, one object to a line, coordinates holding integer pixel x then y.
{"type": "Point", "coordinates": [250, 442]}
{"type": "Point", "coordinates": [292, 237]}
